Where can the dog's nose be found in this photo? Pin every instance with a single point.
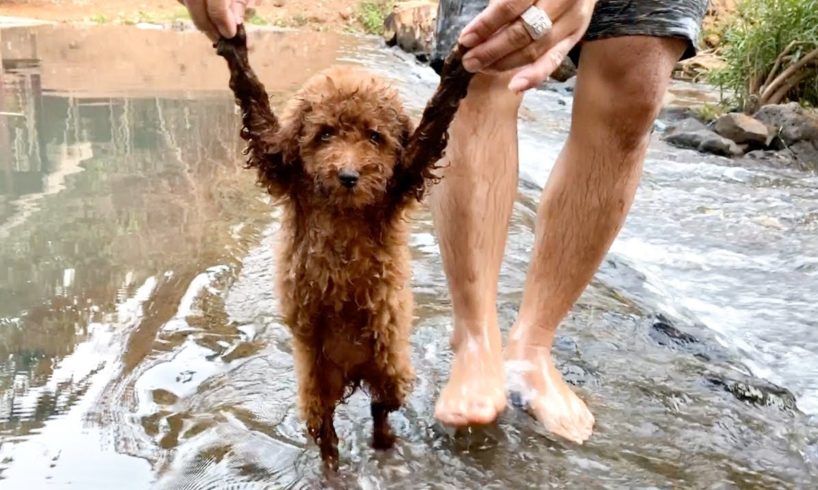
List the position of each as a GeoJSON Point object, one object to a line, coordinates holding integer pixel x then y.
{"type": "Point", "coordinates": [348, 178]}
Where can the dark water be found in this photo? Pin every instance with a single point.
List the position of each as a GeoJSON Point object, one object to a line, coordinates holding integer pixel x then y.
{"type": "Point", "coordinates": [140, 345]}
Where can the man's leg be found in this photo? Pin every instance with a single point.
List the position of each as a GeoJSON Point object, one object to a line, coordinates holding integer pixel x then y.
{"type": "Point", "coordinates": [471, 208]}
{"type": "Point", "coordinates": [620, 85]}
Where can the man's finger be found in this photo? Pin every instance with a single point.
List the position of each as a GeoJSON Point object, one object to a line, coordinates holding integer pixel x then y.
{"type": "Point", "coordinates": [222, 17]}
{"type": "Point", "coordinates": [198, 14]}
{"type": "Point", "coordinates": [539, 71]}
{"type": "Point", "coordinates": [510, 39]}
{"type": "Point", "coordinates": [531, 53]}
{"type": "Point", "coordinates": [487, 22]}
{"type": "Point", "coordinates": [239, 7]}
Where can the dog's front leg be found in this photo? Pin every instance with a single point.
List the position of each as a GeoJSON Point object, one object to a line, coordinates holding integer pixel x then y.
{"type": "Point", "coordinates": [268, 144]}
{"type": "Point", "coordinates": [427, 144]}
{"type": "Point", "coordinates": [259, 120]}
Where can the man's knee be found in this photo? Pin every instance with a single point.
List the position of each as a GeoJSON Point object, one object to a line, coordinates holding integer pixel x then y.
{"type": "Point", "coordinates": [633, 110]}
{"type": "Point", "coordinates": [625, 83]}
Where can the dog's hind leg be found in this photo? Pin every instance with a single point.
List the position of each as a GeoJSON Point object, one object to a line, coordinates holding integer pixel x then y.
{"type": "Point", "coordinates": [389, 393]}
{"type": "Point", "coordinates": [382, 435]}
{"type": "Point", "coordinates": [320, 388]}
{"type": "Point", "coordinates": [327, 439]}
{"type": "Point", "coordinates": [393, 364]}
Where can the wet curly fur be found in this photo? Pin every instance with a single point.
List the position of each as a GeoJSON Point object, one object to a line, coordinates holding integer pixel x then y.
{"type": "Point", "coordinates": [344, 262]}
{"type": "Point", "coordinates": [346, 164]}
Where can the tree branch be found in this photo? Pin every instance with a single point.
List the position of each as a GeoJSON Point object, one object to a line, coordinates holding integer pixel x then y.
{"type": "Point", "coordinates": [789, 72]}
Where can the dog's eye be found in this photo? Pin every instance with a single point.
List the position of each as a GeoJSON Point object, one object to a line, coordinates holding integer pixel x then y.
{"type": "Point", "coordinates": [375, 137]}
{"type": "Point", "coordinates": [325, 134]}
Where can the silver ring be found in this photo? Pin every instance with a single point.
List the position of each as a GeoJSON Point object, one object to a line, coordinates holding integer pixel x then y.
{"type": "Point", "coordinates": [536, 22]}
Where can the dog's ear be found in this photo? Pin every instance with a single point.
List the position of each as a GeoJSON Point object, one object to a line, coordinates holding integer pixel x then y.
{"type": "Point", "coordinates": [287, 145]}
{"type": "Point", "coordinates": [406, 130]}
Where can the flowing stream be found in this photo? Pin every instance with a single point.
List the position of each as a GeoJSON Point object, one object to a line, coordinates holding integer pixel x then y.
{"type": "Point", "coordinates": [140, 343]}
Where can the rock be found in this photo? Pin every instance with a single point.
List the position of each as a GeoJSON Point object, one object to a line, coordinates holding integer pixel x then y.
{"type": "Point", "coordinates": [742, 128]}
{"type": "Point", "coordinates": [756, 392]}
{"type": "Point", "coordinates": [686, 139]}
{"type": "Point", "coordinates": [717, 14]}
{"type": "Point", "coordinates": [411, 26]}
{"type": "Point", "coordinates": [790, 122]}
{"type": "Point", "coordinates": [666, 334]}
{"type": "Point", "coordinates": [806, 152]}
{"type": "Point", "coordinates": [687, 125]}
{"type": "Point", "coordinates": [705, 141]}
{"type": "Point", "coordinates": [718, 145]}
{"type": "Point", "coordinates": [567, 70]}
{"type": "Point", "coordinates": [694, 68]}
{"type": "Point", "coordinates": [671, 114]}
{"type": "Point", "coordinates": [564, 87]}
{"type": "Point", "coordinates": [692, 133]}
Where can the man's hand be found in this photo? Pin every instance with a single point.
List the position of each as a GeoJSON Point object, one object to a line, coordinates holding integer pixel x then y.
{"type": "Point", "coordinates": [500, 42]}
{"type": "Point", "coordinates": [216, 17]}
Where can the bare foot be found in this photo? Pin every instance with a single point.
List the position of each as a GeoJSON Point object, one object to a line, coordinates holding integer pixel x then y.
{"type": "Point", "coordinates": [475, 393]}
{"type": "Point", "coordinates": [533, 378]}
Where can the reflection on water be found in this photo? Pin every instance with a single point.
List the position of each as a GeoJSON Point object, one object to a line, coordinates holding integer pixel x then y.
{"type": "Point", "coordinates": [139, 340]}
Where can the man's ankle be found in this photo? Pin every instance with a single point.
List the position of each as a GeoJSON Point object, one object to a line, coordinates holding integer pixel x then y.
{"type": "Point", "coordinates": [474, 331]}
{"type": "Point", "coordinates": [530, 340]}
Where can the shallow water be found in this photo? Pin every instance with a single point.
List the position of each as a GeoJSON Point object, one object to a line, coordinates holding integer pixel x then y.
{"type": "Point", "coordinates": [139, 340]}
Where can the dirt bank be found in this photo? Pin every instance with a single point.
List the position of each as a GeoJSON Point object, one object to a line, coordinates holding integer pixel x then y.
{"type": "Point", "coordinates": [320, 15]}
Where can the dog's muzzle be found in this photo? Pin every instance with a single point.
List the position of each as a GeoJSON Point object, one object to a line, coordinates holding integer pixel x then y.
{"type": "Point", "coordinates": [348, 178]}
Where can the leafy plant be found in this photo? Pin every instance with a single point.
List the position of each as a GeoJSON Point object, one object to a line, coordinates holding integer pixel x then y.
{"type": "Point", "coordinates": [371, 14]}
{"type": "Point", "coordinates": [257, 20]}
{"type": "Point", "coordinates": [771, 51]}
{"type": "Point", "coordinates": [709, 112]}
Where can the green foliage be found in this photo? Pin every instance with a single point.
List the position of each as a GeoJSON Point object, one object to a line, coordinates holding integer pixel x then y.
{"type": "Point", "coordinates": [709, 112]}
{"type": "Point", "coordinates": [762, 41]}
{"type": "Point", "coordinates": [257, 20]}
{"type": "Point", "coordinates": [371, 14]}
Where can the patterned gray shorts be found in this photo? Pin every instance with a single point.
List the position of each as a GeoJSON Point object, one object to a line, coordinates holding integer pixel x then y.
{"type": "Point", "coordinates": [611, 18]}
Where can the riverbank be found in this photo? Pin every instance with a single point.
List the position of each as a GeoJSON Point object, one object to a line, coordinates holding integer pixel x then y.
{"type": "Point", "coordinates": [337, 16]}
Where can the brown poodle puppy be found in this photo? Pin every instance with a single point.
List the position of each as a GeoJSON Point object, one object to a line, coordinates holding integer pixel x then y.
{"type": "Point", "coordinates": [346, 165]}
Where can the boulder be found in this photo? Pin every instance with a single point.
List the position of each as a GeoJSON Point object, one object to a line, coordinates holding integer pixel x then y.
{"type": "Point", "coordinates": [790, 122]}
{"type": "Point", "coordinates": [692, 133]}
{"type": "Point", "coordinates": [719, 145]}
{"type": "Point", "coordinates": [754, 391]}
{"type": "Point", "coordinates": [806, 152]}
{"type": "Point", "coordinates": [411, 26]}
{"type": "Point", "coordinates": [779, 158]}
{"type": "Point", "coordinates": [742, 128]}
{"type": "Point", "coordinates": [705, 141]}
{"type": "Point", "coordinates": [687, 125]}
{"type": "Point", "coordinates": [565, 71]}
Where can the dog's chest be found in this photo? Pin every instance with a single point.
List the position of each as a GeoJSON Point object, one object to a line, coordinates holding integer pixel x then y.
{"type": "Point", "coordinates": [345, 262]}
{"type": "Point", "coordinates": [341, 282]}
{"type": "Point", "coordinates": [349, 290]}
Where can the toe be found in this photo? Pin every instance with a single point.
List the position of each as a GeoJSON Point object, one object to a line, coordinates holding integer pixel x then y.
{"type": "Point", "coordinates": [448, 415]}
{"type": "Point", "coordinates": [453, 419]}
{"type": "Point", "coordinates": [482, 411]}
